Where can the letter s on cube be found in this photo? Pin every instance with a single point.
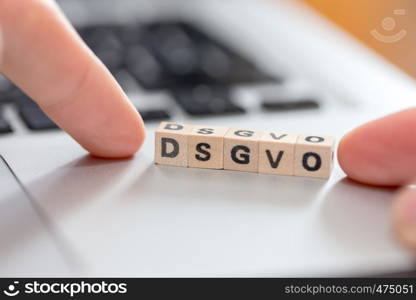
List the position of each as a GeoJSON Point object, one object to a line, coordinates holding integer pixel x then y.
{"type": "Point", "coordinates": [171, 144]}
{"type": "Point", "coordinates": [206, 147]}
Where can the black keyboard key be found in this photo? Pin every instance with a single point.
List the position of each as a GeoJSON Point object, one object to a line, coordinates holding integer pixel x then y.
{"type": "Point", "coordinates": [32, 115]}
{"type": "Point", "coordinates": [215, 62]}
{"type": "Point", "coordinates": [105, 43]}
{"type": "Point", "coordinates": [6, 88]}
{"type": "Point", "coordinates": [35, 119]}
{"type": "Point", "coordinates": [281, 105]}
{"type": "Point", "coordinates": [5, 84]}
{"type": "Point", "coordinates": [4, 125]}
{"type": "Point", "coordinates": [21, 99]}
{"type": "Point", "coordinates": [220, 65]}
{"type": "Point", "coordinates": [131, 34]}
{"type": "Point", "coordinates": [126, 81]}
{"type": "Point", "coordinates": [154, 115]}
{"type": "Point", "coordinates": [110, 58]}
{"type": "Point", "coordinates": [175, 50]}
{"type": "Point", "coordinates": [145, 68]}
{"type": "Point", "coordinates": [204, 100]}
{"type": "Point", "coordinates": [95, 36]}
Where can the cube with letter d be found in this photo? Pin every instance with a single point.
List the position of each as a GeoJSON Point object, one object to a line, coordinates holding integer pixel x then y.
{"type": "Point", "coordinates": [171, 144]}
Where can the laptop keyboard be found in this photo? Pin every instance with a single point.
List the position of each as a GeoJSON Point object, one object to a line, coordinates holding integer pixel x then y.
{"type": "Point", "coordinates": [194, 69]}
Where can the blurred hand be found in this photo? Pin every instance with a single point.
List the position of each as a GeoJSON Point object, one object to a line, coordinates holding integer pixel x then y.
{"type": "Point", "coordinates": [383, 152]}
{"type": "Point", "coordinates": [43, 55]}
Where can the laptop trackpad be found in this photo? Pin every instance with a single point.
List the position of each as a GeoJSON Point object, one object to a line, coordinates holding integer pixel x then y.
{"type": "Point", "coordinates": [26, 236]}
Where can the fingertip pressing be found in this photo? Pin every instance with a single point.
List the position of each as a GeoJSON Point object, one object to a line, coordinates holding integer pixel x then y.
{"type": "Point", "coordinates": [122, 141]}
{"type": "Point", "coordinates": [120, 151]}
{"type": "Point", "coordinates": [124, 148]}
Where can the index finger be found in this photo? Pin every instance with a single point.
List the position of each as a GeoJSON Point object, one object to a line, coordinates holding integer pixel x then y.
{"type": "Point", "coordinates": [44, 56]}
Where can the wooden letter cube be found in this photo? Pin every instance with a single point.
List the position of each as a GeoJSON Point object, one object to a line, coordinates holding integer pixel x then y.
{"type": "Point", "coordinates": [171, 144]}
{"type": "Point", "coordinates": [277, 153]}
{"type": "Point", "coordinates": [241, 150]}
{"type": "Point", "coordinates": [206, 147]}
{"type": "Point", "coordinates": [314, 156]}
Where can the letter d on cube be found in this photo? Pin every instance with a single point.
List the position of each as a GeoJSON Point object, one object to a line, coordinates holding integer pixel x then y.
{"type": "Point", "coordinates": [171, 144]}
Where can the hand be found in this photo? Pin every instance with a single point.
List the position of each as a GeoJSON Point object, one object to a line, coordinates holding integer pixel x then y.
{"type": "Point", "coordinates": [383, 152]}
{"type": "Point", "coordinates": [43, 55]}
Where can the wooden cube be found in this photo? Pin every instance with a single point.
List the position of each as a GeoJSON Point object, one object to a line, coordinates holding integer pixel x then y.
{"type": "Point", "coordinates": [206, 147]}
{"type": "Point", "coordinates": [277, 153]}
{"type": "Point", "coordinates": [171, 144]}
{"type": "Point", "coordinates": [241, 150]}
{"type": "Point", "coordinates": [314, 156]}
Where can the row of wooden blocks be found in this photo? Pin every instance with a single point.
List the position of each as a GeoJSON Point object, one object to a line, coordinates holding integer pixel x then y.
{"type": "Point", "coordinates": [268, 152]}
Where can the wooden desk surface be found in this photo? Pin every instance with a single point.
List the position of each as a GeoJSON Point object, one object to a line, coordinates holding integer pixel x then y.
{"type": "Point", "coordinates": [388, 17]}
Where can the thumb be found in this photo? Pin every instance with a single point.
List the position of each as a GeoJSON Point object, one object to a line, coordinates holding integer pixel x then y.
{"type": "Point", "coordinates": [404, 215]}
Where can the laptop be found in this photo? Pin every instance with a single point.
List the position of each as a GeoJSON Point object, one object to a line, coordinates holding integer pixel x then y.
{"type": "Point", "coordinates": [265, 65]}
